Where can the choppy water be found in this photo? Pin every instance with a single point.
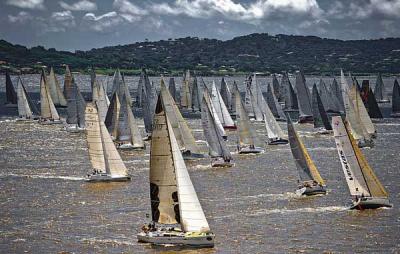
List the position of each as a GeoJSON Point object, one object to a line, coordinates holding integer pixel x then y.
{"type": "Point", "coordinates": [47, 208]}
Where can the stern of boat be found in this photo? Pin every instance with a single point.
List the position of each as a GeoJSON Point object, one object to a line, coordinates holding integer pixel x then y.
{"type": "Point", "coordinates": [370, 203]}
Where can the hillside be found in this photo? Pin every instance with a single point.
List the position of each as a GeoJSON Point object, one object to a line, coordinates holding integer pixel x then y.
{"type": "Point", "coordinates": [254, 52]}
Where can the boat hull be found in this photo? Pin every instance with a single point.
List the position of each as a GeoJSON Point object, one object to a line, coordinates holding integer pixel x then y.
{"type": "Point", "coordinates": [187, 155]}
{"type": "Point", "coordinates": [221, 164]}
{"type": "Point", "coordinates": [129, 146]}
{"type": "Point", "coordinates": [383, 101]}
{"type": "Point", "coordinates": [277, 141]}
{"type": "Point", "coordinates": [230, 127]}
{"type": "Point", "coordinates": [106, 178]}
{"type": "Point", "coordinates": [365, 143]}
{"type": "Point", "coordinates": [247, 150]}
{"type": "Point", "coordinates": [370, 203]}
{"type": "Point", "coordinates": [395, 115]}
{"type": "Point", "coordinates": [311, 190]}
{"type": "Point", "coordinates": [306, 119]}
{"type": "Point", "coordinates": [165, 238]}
{"type": "Point", "coordinates": [74, 129]}
{"type": "Point", "coordinates": [10, 105]}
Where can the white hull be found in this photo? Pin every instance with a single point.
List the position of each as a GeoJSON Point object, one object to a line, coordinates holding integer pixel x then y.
{"type": "Point", "coordinates": [395, 115]}
{"type": "Point", "coordinates": [370, 203]}
{"type": "Point", "coordinates": [103, 177]}
{"type": "Point", "coordinates": [74, 128]}
{"type": "Point", "coordinates": [311, 190]}
{"type": "Point", "coordinates": [221, 163]}
{"type": "Point", "coordinates": [9, 105]}
{"type": "Point", "coordinates": [277, 141]}
{"type": "Point", "coordinates": [247, 149]}
{"type": "Point", "coordinates": [177, 238]}
{"type": "Point", "coordinates": [129, 146]}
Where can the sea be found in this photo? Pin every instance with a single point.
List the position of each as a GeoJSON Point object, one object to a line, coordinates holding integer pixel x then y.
{"type": "Point", "coordinates": [46, 207]}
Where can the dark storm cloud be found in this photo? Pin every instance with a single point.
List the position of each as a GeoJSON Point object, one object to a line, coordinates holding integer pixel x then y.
{"type": "Point", "coordinates": [84, 24]}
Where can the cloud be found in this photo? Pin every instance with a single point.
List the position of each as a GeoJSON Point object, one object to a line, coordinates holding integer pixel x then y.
{"type": "Point", "coordinates": [83, 5]}
{"type": "Point", "coordinates": [125, 6]}
{"type": "Point", "coordinates": [27, 4]}
{"type": "Point", "coordinates": [255, 10]}
{"type": "Point", "coordinates": [22, 17]}
{"type": "Point", "coordinates": [103, 22]}
{"type": "Point", "coordinates": [58, 22]}
{"type": "Point", "coordinates": [386, 8]}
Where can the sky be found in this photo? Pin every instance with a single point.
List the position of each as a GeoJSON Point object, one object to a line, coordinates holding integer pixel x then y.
{"type": "Point", "coordinates": [85, 24]}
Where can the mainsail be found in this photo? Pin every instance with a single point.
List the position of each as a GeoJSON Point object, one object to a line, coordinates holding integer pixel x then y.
{"type": "Point", "coordinates": [127, 130]}
{"type": "Point", "coordinates": [246, 132]}
{"type": "Point", "coordinates": [319, 114]}
{"type": "Point", "coordinates": [111, 120]}
{"type": "Point", "coordinates": [303, 96]}
{"type": "Point", "coordinates": [54, 90]}
{"type": "Point", "coordinates": [172, 88]}
{"type": "Point", "coordinates": [11, 95]}
{"type": "Point", "coordinates": [276, 87]}
{"type": "Point", "coordinates": [179, 125]}
{"type": "Point", "coordinates": [274, 105]}
{"type": "Point", "coordinates": [24, 106]}
{"type": "Point", "coordinates": [195, 95]}
{"type": "Point", "coordinates": [304, 164]}
{"type": "Point", "coordinates": [220, 107]}
{"type": "Point", "coordinates": [360, 177]}
{"type": "Point", "coordinates": [186, 100]}
{"type": "Point", "coordinates": [218, 124]}
{"type": "Point", "coordinates": [329, 100]}
{"type": "Point", "coordinates": [101, 99]}
{"type": "Point", "coordinates": [47, 108]}
{"type": "Point", "coordinates": [68, 80]}
{"type": "Point", "coordinates": [290, 95]}
{"type": "Point", "coordinates": [173, 198]}
{"type": "Point", "coordinates": [76, 107]}
{"type": "Point", "coordinates": [216, 144]}
{"type": "Point", "coordinates": [149, 104]}
{"type": "Point", "coordinates": [396, 98]}
{"type": "Point", "coordinates": [337, 92]}
{"type": "Point", "coordinates": [372, 105]}
{"type": "Point", "coordinates": [379, 89]}
{"type": "Point", "coordinates": [226, 94]}
{"type": "Point", "coordinates": [102, 152]}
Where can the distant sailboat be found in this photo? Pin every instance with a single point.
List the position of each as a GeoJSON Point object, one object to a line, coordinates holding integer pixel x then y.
{"type": "Point", "coordinates": [221, 109]}
{"type": "Point", "coordinates": [101, 99]}
{"type": "Point", "coordinates": [330, 102]}
{"type": "Point", "coordinates": [216, 144]}
{"type": "Point", "coordinates": [177, 215]}
{"type": "Point", "coordinates": [337, 92]}
{"type": "Point", "coordinates": [396, 99]}
{"type": "Point", "coordinates": [358, 129]}
{"type": "Point", "coordinates": [379, 91]}
{"type": "Point", "coordinates": [226, 94]}
{"type": "Point", "coordinates": [76, 110]}
{"type": "Point", "coordinates": [195, 95]}
{"type": "Point", "coordinates": [274, 105]}
{"type": "Point", "coordinates": [127, 132]}
{"type": "Point", "coordinates": [92, 79]}
{"type": "Point", "coordinates": [320, 116]}
{"type": "Point", "coordinates": [182, 132]}
{"type": "Point", "coordinates": [186, 100]}
{"type": "Point", "coordinates": [251, 105]}
{"type": "Point", "coordinates": [233, 106]}
{"type": "Point", "coordinates": [68, 86]}
{"type": "Point", "coordinates": [55, 91]}
{"type": "Point", "coordinates": [372, 105]}
{"type": "Point", "coordinates": [246, 132]}
{"type": "Point", "coordinates": [311, 181]}
{"type": "Point", "coordinates": [149, 104]}
{"type": "Point", "coordinates": [141, 86]}
{"type": "Point", "coordinates": [290, 98]}
{"type": "Point", "coordinates": [276, 88]}
{"type": "Point", "coordinates": [106, 161]}
{"type": "Point", "coordinates": [217, 122]}
{"type": "Point", "coordinates": [172, 88]}
{"type": "Point", "coordinates": [26, 109]}
{"type": "Point", "coordinates": [11, 95]}
{"type": "Point", "coordinates": [304, 99]}
{"type": "Point", "coordinates": [365, 188]}
{"type": "Point", "coordinates": [111, 120]}
{"type": "Point", "coordinates": [48, 112]}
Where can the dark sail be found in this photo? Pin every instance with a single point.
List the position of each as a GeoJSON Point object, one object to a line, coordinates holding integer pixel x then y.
{"type": "Point", "coordinates": [195, 95]}
{"type": "Point", "coordinates": [275, 86]}
{"type": "Point", "coordinates": [10, 91]}
{"type": "Point", "coordinates": [337, 92]}
{"type": "Point", "coordinates": [76, 107]}
{"type": "Point", "coordinates": [226, 94]}
{"type": "Point", "coordinates": [273, 104]}
{"type": "Point", "coordinates": [112, 115]}
{"type": "Point", "coordinates": [372, 106]}
{"type": "Point", "coordinates": [396, 98]}
{"type": "Point", "coordinates": [319, 114]}
{"type": "Point", "coordinates": [303, 96]}
{"type": "Point", "coordinates": [172, 88]}
{"type": "Point", "coordinates": [379, 88]}
{"type": "Point", "coordinates": [290, 95]}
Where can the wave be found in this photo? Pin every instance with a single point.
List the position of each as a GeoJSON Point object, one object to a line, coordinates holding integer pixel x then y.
{"type": "Point", "coordinates": [44, 176]}
{"type": "Point", "coordinates": [137, 161]}
{"type": "Point", "coordinates": [201, 141]}
{"type": "Point", "coordinates": [107, 241]}
{"type": "Point", "coordinates": [202, 166]}
{"type": "Point", "coordinates": [300, 210]}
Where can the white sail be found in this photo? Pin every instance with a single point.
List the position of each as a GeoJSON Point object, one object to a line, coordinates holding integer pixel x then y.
{"type": "Point", "coordinates": [186, 101]}
{"type": "Point", "coordinates": [137, 139]}
{"type": "Point", "coordinates": [218, 123]}
{"type": "Point", "coordinates": [54, 89]}
{"type": "Point", "coordinates": [220, 107]}
{"type": "Point", "coordinates": [102, 102]}
{"type": "Point", "coordinates": [24, 109]}
{"type": "Point", "coordinates": [246, 132]}
{"type": "Point", "coordinates": [48, 110]}
{"type": "Point", "coordinates": [191, 213]}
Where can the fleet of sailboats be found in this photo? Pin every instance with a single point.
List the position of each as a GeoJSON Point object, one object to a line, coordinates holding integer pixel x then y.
{"type": "Point", "coordinates": [54, 90]}
{"type": "Point", "coordinates": [48, 111]}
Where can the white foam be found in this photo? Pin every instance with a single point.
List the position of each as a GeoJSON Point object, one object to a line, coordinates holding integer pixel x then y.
{"type": "Point", "coordinates": [108, 241]}
{"type": "Point", "coordinates": [300, 210]}
{"type": "Point", "coordinates": [46, 176]}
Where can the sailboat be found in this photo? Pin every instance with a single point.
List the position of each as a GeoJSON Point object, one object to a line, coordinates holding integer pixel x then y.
{"type": "Point", "coordinates": [365, 188]}
{"type": "Point", "coordinates": [304, 99]}
{"type": "Point", "coordinates": [226, 94]}
{"type": "Point", "coordinates": [372, 105]}
{"type": "Point", "coordinates": [195, 95]}
{"type": "Point", "coordinates": [221, 109]}
{"type": "Point", "coordinates": [321, 120]}
{"type": "Point", "coordinates": [149, 97]}
{"type": "Point", "coordinates": [217, 147]}
{"type": "Point", "coordinates": [111, 120]}
{"type": "Point", "coordinates": [101, 99]}
{"type": "Point", "coordinates": [274, 105]}
{"type": "Point", "coordinates": [127, 132]}
{"type": "Point", "coordinates": [276, 87]}
{"type": "Point", "coordinates": [26, 109]}
{"type": "Point", "coordinates": [251, 105]}
{"type": "Point", "coordinates": [217, 122]}
{"type": "Point", "coordinates": [396, 99]}
{"type": "Point", "coordinates": [290, 97]}
{"type": "Point", "coordinates": [336, 91]}
{"type": "Point", "coordinates": [183, 134]}
{"type": "Point", "coordinates": [379, 91]}
{"type": "Point", "coordinates": [48, 112]}
{"type": "Point", "coordinates": [140, 87]}
{"type": "Point", "coordinates": [55, 91]}
{"type": "Point", "coordinates": [172, 88]}
{"type": "Point", "coordinates": [233, 100]}
{"type": "Point", "coordinates": [177, 215]}
{"type": "Point", "coordinates": [246, 132]}
{"type": "Point", "coordinates": [11, 95]}
{"type": "Point", "coordinates": [106, 161]}
{"type": "Point", "coordinates": [329, 100]}
{"type": "Point", "coordinates": [186, 100]}
{"type": "Point", "coordinates": [311, 181]}
{"type": "Point", "coordinates": [76, 110]}
{"type": "Point", "coordinates": [358, 129]}
{"type": "Point", "coordinates": [68, 86]}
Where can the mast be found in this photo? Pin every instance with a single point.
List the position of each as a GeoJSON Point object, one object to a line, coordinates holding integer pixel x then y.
{"type": "Point", "coordinates": [304, 164]}
{"type": "Point", "coordinates": [11, 95]}
{"type": "Point", "coordinates": [360, 177]}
